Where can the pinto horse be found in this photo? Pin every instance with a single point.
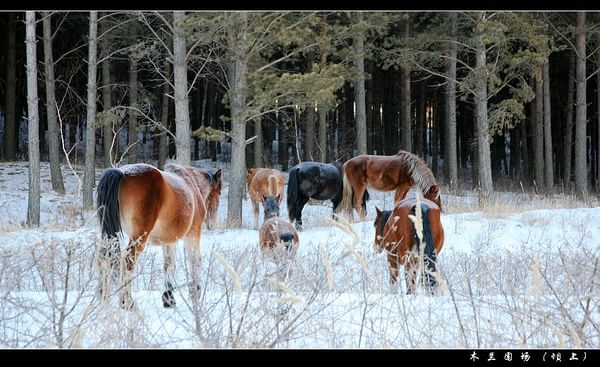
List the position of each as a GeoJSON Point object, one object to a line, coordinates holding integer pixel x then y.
{"type": "Point", "coordinates": [147, 204]}
{"type": "Point", "coordinates": [396, 232]}
{"type": "Point", "coordinates": [277, 237]}
{"type": "Point", "coordinates": [385, 173]}
{"type": "Point", "coordinates": [264, 182]}
{"type": "Point", "coordinates": [313, 180]}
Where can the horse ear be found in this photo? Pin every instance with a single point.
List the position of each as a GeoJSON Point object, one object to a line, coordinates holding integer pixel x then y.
{"type": "Point", "coordinates": [377, 210]}
{"type": "Point", "coordinates": [218, 174]}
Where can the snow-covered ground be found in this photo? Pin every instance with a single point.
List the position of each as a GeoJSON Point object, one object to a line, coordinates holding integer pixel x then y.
{"type": "Point", "coordinates": [511, 279]}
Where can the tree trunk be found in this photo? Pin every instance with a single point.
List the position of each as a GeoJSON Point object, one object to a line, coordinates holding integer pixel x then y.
{"type": "Point", "coordinates": [359, 93]}
{"type": "Point", "coordinates": [238, 128]}
{"type": "Point", "coordinates": [109, 145]}
{"type": "Point", "coordinates": [598, 122]}
{"type": "Point", "coordinates": [10, 122]}
{"type": "Point", "coordinates": [581, 186]}
{"type": "Point", "coordinates": [548, 159]}
{"type": "Point", "coordinates": [405, 108]}
{"type": "Point", "coordinates": [323, 122]}
{"type": "Point", "coordinates": [33, 203]}
{"type": "Point", "coordinates": [132, 133]}
{"type": "Point", "coordinates": [163, 143]}
{"type": "Point", "coordinates": [182, 108]}
{"type": "Point", "coordinates": [283, 144]}
{"type": "Point", "coordinates": [420, 147]}
{"type": "Point", "coordinates": [450, 143]}
{"type": "Point", "coordinates": [369, 107]}
{"type": "Point", "coordinates": [53, 143]}
{"type": "Point", "coordinates": [485, 168]}
{"type": "Point", "coordinates": [538, 136]}
{"type": "Point", "coordinates": [89, 176]}
{"type": "Point", "coordinates": [258, 143]}
{"type": "Point", "coordinates": [568, 142]}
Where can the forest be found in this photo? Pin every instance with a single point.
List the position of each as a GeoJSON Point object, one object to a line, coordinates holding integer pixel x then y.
{"type": "Point", "coordinates": [154, 126]}
{"type": "Point", "coordinates": [490, 100]}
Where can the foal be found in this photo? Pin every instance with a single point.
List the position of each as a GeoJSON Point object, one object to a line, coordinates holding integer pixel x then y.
{"type": "Point", "coordinates": [396, 233]}
{"type": "Point", "coordinates": [264, 182]}
{"type": "Point", "coordinates": [277, 238]}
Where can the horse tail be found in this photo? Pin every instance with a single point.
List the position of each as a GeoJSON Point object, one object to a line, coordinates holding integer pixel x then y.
{"type": "Point", "coordinates": [272, 185]}
{"type": "Point", "coordinates": [347, 193]}
{"type": "Point", "coordinates": [292, 193]}
{"type": "Point", "coordinates": [430, 255]}
{"type": "Point", "coordinates": [107, 202]}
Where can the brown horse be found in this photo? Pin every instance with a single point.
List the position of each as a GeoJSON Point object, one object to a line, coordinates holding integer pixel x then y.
{"type": "Point", "coordinates": [277, 238]}
{"type": "Point", "coordinates": [147, 204]}
{"type": "Point", "coordinates": [396, 233]}
{"type": "Point", "coordinates": [263, 182]}
{"type": "Point", "coordinates": [385, 173]}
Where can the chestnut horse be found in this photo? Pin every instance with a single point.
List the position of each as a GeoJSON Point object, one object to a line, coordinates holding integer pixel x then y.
{"type": "Point", "coordinates": [277, 238]}
{"type": "Point", "coordinates": [385, 173]}
{"type": "Point", "coordinates": [263, 182]}
{"type": "Point", "coordinates": [147, 204]}
{"type": "Point", "coordinates": [396, 233]}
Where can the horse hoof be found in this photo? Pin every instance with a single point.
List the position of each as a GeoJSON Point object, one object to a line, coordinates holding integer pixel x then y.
{"type": "Point", "coordinates": [128, 305]}
{"type": "Point", "coordinates": [168, 299]}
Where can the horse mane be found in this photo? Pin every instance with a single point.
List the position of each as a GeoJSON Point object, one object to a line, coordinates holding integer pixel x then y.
{"type": "Point", "coordinates": [385, 215]}
{"type": "Point", "coordinates": [419, 171]}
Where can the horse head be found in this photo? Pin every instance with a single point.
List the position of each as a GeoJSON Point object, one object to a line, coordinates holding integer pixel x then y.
{"type": "Point", "coordinates": [380, 220]}
{"type": "Point", "coordinates": [271, 207]}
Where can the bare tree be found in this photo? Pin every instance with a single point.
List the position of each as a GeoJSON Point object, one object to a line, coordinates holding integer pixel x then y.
{"type": "Point", "coordinates": [33, 203]}
{"type": "Point", "coordinates": [109, 147]}
{"type": "Point", "coordinates": [163, 145]}
{"type": "Point", "coordinates": [133, 101]}
{"type": "Point", "coordinates": [237, 74]}
{"type": "Point", "coordinates": [580, 110]}
{"type": "Point", "coordinates": [568, 143]}
{"type": "Point", "coordinates": [483, 139]}
{"type": "Point", "coordinates": [89, 175]}
{"type": "Point", "coordinates": [405, 120]}
{"type": "Point", "coordinates": [548, 161]}
{"type": "Point", "coordinates": [182, 108]}
{"type": "Point", "coordinates": [538, 128]}
{"type": "Point", "coordinates": [451, 159]}
{"type": "Point", "coordinates": [53, 145]}
{"type": "Point", "coordinates": [10, 121]}
{"type": "Point", "coordinates": [323, 122]}
{"type": "Point", "coordinates": [359, 91]}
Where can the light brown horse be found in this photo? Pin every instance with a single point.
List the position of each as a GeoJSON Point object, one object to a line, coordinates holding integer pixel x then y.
{"type": "Point", "coordinates": [385, 173]}
{"type": "Point", "coordinates": [396, 233]}
{"type": "Point", "coordinates": [278, 239]}
{"type": "Point", "coordinates": [263, 182]}
{"type": "Point", "coordinates": [150, 205]}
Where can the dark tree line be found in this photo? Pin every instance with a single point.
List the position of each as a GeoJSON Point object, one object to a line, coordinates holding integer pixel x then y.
{"type": "Point", "coordinates": [490, 100]}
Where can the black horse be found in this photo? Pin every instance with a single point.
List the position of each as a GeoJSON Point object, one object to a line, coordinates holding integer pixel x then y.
{"type": "Point", "coordinates": [313, 180]}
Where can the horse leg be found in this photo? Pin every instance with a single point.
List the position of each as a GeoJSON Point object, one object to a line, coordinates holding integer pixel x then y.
{"type": "Point", "coordinates": [359, 192]}
{"type": "Point", "coordinates": [410, 275]}
{"type": "Point", "coordinates": [108, 262]}
{"type": "Point", "coordinates": [394, 264]}
{"type": "Point", "coordinates": [255, 210]}
{"type": "Point", "coordinates": [193, 260]}
{"type": "Point", "coordinates": [169, 267]}
{"type": "Point", "coordinates": [302, 200]}
{"type": "Point", "coordinates": [400, 193]}
{"type": "Point", "coordinates": [134, 249]}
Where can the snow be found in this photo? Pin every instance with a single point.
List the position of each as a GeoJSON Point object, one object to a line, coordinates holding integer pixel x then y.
{"type": "Point", "coordinates": [521, 279]}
